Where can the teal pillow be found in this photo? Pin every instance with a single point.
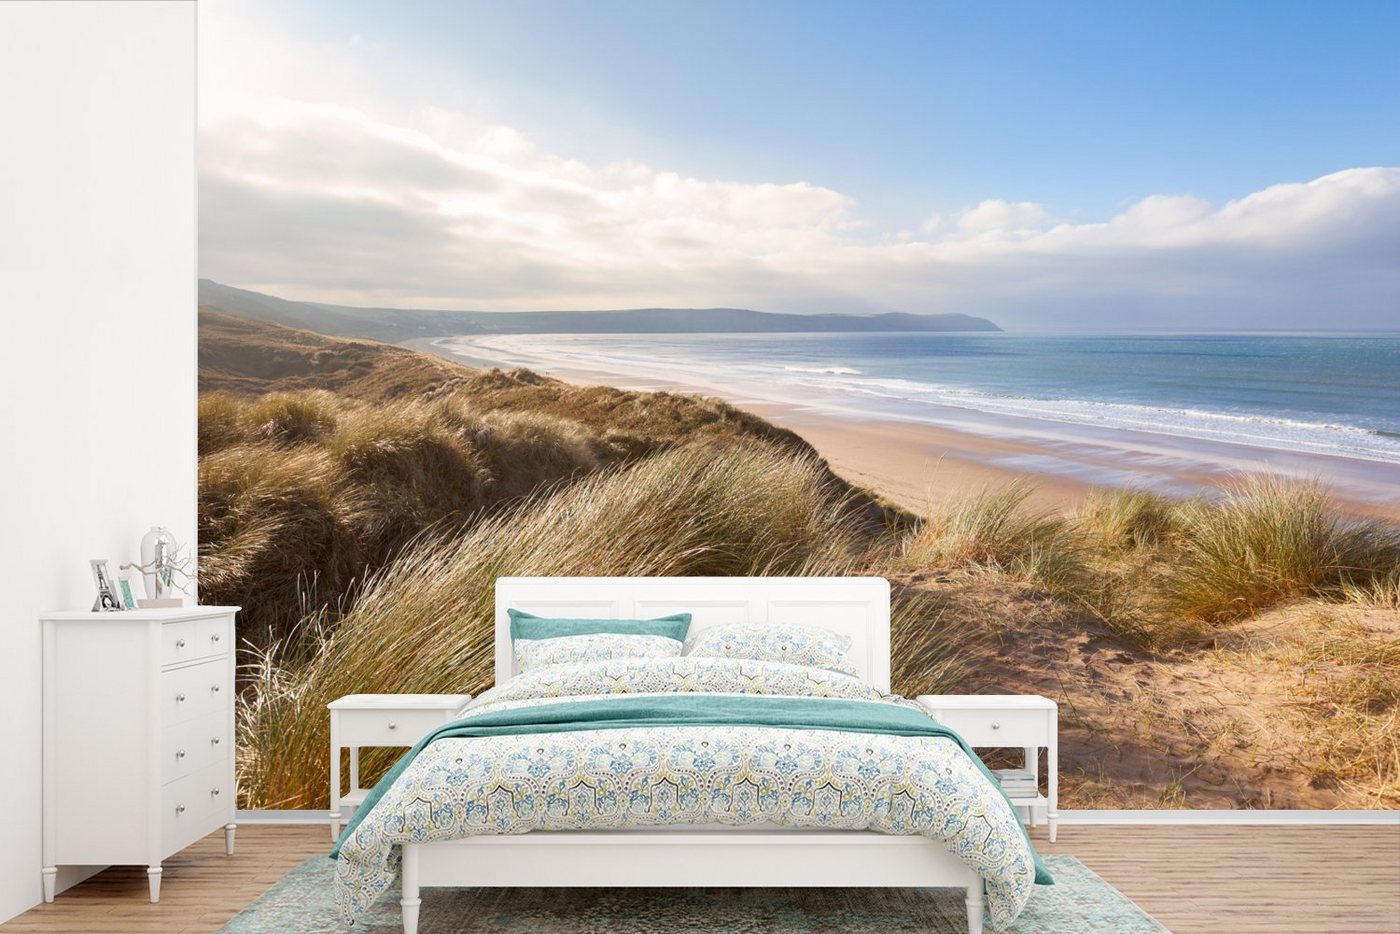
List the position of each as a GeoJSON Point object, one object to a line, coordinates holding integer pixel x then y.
{"type": "Point", "coordinates": [529, 626]}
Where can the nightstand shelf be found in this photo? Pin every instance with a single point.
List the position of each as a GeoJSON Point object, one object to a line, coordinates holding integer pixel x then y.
{"type": "Point", "coordinates": [359, 720]}
{"type": "Point", "coordinates": [1018, 721]}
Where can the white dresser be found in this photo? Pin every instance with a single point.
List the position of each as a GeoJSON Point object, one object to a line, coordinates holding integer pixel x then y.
{"type": "Point", "coordinates": [138, 736]}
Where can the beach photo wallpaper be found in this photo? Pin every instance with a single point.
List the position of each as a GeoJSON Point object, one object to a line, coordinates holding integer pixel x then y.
{"type": "Point", "coordinates": [1088, 342]}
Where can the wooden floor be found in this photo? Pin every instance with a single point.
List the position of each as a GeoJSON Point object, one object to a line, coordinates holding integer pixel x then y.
{"type": "Point", "coordinates": [1211, 880]}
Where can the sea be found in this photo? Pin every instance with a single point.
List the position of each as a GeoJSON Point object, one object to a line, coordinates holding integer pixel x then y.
{"type": "Point", "coordinates": [1322, 393]}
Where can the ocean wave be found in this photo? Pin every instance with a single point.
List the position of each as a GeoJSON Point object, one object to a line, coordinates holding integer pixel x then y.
{"type": "Point", "coordinates": [831, 370]}
{"type": "Point", "coordinates": [1247, 428]}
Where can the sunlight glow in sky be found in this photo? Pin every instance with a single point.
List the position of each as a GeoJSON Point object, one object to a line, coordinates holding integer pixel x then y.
{"type": "Point", "coordinates": [1046, 165]}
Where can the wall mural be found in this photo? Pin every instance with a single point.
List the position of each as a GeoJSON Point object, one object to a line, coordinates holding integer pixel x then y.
{"type": "Point", "coordinates": [1187, 538]}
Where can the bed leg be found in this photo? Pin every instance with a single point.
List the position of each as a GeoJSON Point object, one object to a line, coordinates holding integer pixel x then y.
{"type": "Point", "coordinates": [410, 900]}
{"type": "Point", "coordinates": [974, 908]}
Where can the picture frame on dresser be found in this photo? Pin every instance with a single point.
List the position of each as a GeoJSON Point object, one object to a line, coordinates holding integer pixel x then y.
{"type": "Point", "coordinates": [146, 696]}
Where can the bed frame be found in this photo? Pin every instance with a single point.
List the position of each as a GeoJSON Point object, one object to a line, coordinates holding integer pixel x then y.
{"type": "Point", "coordinates": [696, 856]}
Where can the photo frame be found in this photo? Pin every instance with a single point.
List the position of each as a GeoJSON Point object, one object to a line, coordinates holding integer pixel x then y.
{"type": "Point", "coordinates": [108, 597]}
{"type": "Point", "coordinates": [131, 587]}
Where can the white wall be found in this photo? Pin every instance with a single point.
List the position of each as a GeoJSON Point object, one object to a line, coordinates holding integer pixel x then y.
{"type": "Point", "coordinates": [97, 334]}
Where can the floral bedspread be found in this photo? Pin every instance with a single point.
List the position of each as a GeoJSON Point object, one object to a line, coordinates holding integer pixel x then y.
{"type": "Point", "coordinates": [687, 775]}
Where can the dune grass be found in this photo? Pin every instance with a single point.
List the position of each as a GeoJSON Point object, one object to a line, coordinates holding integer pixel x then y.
{"type": "Point", "coordinates": [1125, 521]}
{"type": "Point", "coordinates": [304, 495]}
{"type": "Point", "coordinates": [424, 624]}
{"type": "Point", "coordinates": [364, 538]}
{"type": "Point", "coordinates": [991, 528]}
{"type": "Point", "coordinates": [1164, 572]}
{"type": "Point", "coordinates": [1268, 541]}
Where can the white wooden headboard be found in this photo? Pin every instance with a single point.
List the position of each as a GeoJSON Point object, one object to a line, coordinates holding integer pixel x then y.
{"type": "Point", "coordinates": [856, 606]}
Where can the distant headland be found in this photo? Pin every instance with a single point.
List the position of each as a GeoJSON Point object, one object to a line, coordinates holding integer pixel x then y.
{"type": "Point", "coordinates": [396, 324]}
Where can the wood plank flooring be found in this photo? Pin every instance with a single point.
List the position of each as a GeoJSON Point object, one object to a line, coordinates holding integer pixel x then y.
{"type": "Point", "coordinates": [1195, 880]}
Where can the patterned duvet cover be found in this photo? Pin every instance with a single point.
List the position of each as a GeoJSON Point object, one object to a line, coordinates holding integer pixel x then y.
{"type": "Point", "coordinates": [626, 743]}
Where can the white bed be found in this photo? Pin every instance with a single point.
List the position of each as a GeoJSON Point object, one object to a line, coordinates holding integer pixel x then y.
{"type": "Point", "coordinates": [719, 856]}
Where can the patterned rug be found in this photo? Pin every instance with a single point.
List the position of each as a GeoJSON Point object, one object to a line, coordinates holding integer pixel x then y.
{"type": "Point", "coordinates": [1079, 903]}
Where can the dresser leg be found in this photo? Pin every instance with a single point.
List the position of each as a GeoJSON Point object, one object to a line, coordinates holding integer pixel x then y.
{"type": "Point", "coordinates": [228, 838]}
{"type": "Point", "coordinates": [153, 876]}
{"type": "Point", "coordinates": [50, 882]}
{"type": "Point", "coordinates": [335, 826]}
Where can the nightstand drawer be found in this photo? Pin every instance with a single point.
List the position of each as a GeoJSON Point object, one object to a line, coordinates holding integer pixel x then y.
{"type": "Point", "coordinates": [388, 727]}
{"type": "Point", "coordinates": [998, 727]}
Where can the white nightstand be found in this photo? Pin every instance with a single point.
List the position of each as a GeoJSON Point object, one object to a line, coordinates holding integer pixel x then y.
{"type": "Point", "coordinates": [1021, 721]}
{"type": "Point", "coordinates": [380, 720]}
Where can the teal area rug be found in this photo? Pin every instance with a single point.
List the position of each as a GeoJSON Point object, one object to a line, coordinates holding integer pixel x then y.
{"type": "Point", "coordinates": [1078, 903]}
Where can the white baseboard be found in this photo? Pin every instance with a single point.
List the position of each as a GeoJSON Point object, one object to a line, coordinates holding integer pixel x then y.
{"type": "Point", "coordinates": [1183, 817]}
{"type": "Point", "coordinates": [289, 817]}
{"type": "Point", "coordinates": [1225, 816]}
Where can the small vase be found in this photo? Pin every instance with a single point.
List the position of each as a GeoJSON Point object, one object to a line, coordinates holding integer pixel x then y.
{"type": "Point", "coordinates": [158, 547]}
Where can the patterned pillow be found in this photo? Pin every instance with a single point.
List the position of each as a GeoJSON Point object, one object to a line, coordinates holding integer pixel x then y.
{"type": "Point", "coordinates": [590, 647]}
{"type": "Point", "coordinates": [540, 641]}
{"type": "Point", "coordinates": [776, 642]}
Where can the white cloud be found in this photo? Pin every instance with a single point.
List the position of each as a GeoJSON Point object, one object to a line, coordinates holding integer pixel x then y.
{"type": "Point", "coordinates": [995, 215]}
{"type": "Point", "coordinates": [325, 176]}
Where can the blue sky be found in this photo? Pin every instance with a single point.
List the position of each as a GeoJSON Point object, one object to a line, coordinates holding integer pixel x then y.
{"type": "Point", "coordinates": [751, 153]}
{"type": "Point", "coordinates": [1082, 106]}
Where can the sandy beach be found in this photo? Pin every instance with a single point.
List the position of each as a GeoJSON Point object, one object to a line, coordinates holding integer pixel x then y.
{"type": "Point", "coordinates": [916, 464]}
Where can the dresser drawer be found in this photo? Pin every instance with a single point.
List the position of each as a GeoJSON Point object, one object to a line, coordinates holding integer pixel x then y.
{"type": "Point", "coordinates": [193, 806]}
{"type": "Point", "coordinates": [190, 746]}
{"type": "Point", "coordinates": [997, 727]}
{"type": "Point", "coordinates": [194, 692]}
{"type": "Point", "coordinates": [192, 639]}
{"type": "Point", "coordinates": [388, 727]}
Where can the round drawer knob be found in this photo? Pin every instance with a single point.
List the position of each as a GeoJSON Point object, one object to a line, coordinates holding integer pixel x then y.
{"type": "Point", "coordinates": [214, 688]}
{"type": "Point", "coordinates": [996, 725]}
{"type": "Point", "coordinates": [214, 792]}
{"type": "Point", "coordinates": [393, 725]}
{"type": "Point", "coordinates": [179, 643]}
{"type": "Point", "coordinates": [215, 740]}
{"type": "Point", "coordinates": [179, 698]}
{"type": "Point", "coordinates": [179, 753]}
{"type": "Point", "coordinates": [214, 637]}
{"type": "Point", "coordinates": [179, 809]}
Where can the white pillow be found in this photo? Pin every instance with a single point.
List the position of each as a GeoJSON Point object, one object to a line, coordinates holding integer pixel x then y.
{"type": "Point", "coordinates": [597, 646]}
{"type": "Point", "coordinates": [775, 642]}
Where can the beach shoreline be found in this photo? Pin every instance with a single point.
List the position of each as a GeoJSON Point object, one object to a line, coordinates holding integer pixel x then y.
{"type": "Point", "coordinates": [916, 464]}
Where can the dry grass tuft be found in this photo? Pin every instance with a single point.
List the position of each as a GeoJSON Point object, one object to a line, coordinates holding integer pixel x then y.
{"type": "Point", "coordinates": [289, 418]}
{"type": "Point", "coordinates": [1265, 543]}
{"type": "Point", "coordinates": [928, 644]}
{"type": "Point", "coordinates": [992, 528]}
{"type": "Point", "coordinates": [1122, 521]}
